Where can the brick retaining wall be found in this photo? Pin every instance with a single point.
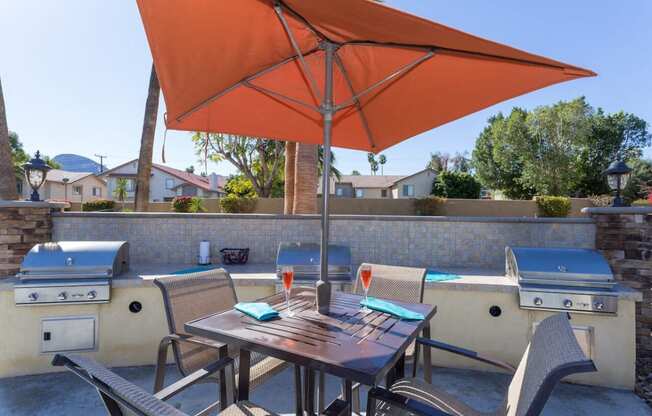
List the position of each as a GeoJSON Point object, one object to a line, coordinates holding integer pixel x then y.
{"type": "Point", "coordinates": [624, 236]}
{"type": "Point", "coordinates": [21, 226]}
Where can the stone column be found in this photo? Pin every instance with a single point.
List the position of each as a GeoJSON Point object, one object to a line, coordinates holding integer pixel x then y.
{"type": "Point", "coordinates": [22, 225]}
{"type": "Point", "coordinates": [624, 236]}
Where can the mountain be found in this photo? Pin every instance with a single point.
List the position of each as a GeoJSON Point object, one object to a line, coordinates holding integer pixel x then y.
{"type": "Point", "coordinates": [76, 163]}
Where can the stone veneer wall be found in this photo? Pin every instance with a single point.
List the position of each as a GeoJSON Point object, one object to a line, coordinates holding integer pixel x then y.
{"type": "Point", "coordinates": [22, 224]}
{"type": "Point", "coordinates": [624, 235]}
{"type": "Point", "coordinates": [418, 241]}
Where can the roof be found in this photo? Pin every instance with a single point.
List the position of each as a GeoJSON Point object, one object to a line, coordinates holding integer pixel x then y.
{"type": "Point", "coordinates": [189, 178]}
{"type": "Point", "coordinates": [371, 181]}
{"type": "Point", "coordinates": [58, 175]}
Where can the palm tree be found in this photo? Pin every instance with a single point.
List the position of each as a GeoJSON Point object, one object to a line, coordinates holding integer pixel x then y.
{"type": "Point", "coordinates": [8, 189]}
{"type": "Point", "coordinates": [120, 191]}
{"type": "Point", "coordinates": [305, 183]}
{"type": "Point", "coordinates": [382, 159]}
{"type": "Point", "coordinates": [144, 173]}
{"type": "Point", "coordinates": [290, 165]}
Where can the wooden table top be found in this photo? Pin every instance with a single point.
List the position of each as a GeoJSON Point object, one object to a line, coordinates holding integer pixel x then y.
{"type": "Point", "coordinates": [346, 343]}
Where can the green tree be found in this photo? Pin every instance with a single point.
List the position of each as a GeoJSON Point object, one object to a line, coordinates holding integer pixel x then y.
{"type": "Point", "coordinates": [456, 185]}
{"type": "Point", "coordinates": [560, 149]}
{"type": "Point", "coordinates": [382, 159]}
{"type": "Point", "coordinates": [120, 191]}
{"type": "Point", "coordinates": [240, 186]}
{"type": "Point", "coordinates": [496, 162]}
{"type": "Point", "coordinates": [438, 162]}
{"type": "Point", "coordinates": [259, 160]}
{"type": "Point", "coordinates": [373, 163]}
{"type": "Point", "coordinates": [640, 182]}
{"type": "Point", "coordinates": [355, 173]}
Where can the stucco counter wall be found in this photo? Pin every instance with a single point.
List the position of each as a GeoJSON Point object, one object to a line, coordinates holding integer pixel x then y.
{"type": "Point", "coordinates": [167, 238]}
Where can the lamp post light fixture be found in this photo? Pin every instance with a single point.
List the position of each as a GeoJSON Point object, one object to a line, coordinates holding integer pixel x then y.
{"type": "Point", "coordinates": [618, 175]}
{"type": "Point", "coordinates": [35, 172]}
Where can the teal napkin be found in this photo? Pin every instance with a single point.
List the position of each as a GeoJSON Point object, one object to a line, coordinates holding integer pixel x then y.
{"type": "Point", "coordinates": [258, 310]}
{"type": "Point", "coordinates": [392, 309]}
{"type": "Point", "coordinates": [436, 276]}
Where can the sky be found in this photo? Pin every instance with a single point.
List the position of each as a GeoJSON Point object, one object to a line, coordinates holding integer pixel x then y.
{"type": "Point", "coordinates": [75, 73]}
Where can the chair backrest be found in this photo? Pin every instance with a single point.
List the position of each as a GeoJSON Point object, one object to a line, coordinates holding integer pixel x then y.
{"type": "Point", "coordinates": [192, 296]}
{"type": "Point", "coordinates": [394, 282]}
{"type": "Point", "coordinates": [119, 396]}
{"type": "Point", "coordinates": [552, 354]}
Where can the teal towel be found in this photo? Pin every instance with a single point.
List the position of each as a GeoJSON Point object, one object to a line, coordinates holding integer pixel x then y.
{"type": "Point", "coordinates": [392, 309]}
{"type": "Point", "coordinates": [258, 310]}
{"type": "Point", "coordinates": [436, 276]}
{"type": "Point", "coordinates": [195, 269]}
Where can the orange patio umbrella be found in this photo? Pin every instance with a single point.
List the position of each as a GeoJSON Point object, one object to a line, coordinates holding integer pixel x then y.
{"type": "Point", "coordinates": [347, 73]}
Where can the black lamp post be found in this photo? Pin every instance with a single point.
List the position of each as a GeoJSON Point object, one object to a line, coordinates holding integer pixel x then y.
{"type": "Point", "coordinates": [35, 172]}
{"type": "Point", "coordinates": [618, 175]}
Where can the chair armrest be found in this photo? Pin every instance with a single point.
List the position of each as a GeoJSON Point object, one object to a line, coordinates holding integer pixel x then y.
{"type": "Point", "coordinates": [336, 408]}
{"type": "Point", "coordinates": [402, 402]}
{"type": "Point", "coordinates": [465, 353]}
{"type": "Point", "coordinates": [193, 378]}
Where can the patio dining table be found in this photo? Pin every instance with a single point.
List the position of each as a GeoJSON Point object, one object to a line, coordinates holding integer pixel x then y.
{"type": "Point", "coordinates": [359, 347]}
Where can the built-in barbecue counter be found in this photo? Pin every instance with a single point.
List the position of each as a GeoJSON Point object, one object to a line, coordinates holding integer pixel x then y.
{"type": "Point", "coordinates": [478, 309]}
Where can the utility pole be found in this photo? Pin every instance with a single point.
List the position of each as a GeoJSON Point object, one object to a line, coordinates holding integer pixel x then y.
{"type": "Point", "coordinates": [101, 157]}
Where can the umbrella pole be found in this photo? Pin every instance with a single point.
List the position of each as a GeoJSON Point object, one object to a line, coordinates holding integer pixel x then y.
{"type": "Point", "coordinates": [323, 286]}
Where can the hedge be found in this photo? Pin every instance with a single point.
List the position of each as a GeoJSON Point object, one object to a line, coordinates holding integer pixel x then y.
{"type": "Point", "coordinates": [98, 205]}
{"type": "Point", "coordinates": [234, 204]}
{"type": "Point", "coordinates": [430, 205]}
{"type": "Point", "coordinates": [553, 206]}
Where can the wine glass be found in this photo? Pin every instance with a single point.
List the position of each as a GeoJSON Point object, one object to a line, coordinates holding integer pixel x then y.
{"type": "Point", "coordinates": [365, 278]}
{"type": "Point", "coordinates": [287, 274]}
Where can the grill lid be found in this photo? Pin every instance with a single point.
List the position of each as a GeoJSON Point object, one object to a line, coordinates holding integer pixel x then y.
{"type": "Point", "coordinates": [70, 259]}
{"type": "Point", "coordinates": [563, 266]}
{"type": "Point", "coordinates": [305, 259]}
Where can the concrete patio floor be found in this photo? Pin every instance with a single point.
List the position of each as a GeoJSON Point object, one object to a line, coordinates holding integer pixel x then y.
{"type": "Point", "coordinates": [62, 394]}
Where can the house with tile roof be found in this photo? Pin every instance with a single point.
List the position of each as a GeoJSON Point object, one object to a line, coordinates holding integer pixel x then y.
{"type": "Point", "coordinates": [165, 183]}
{"type": "Point", "coordinates": [416, 185]}
{"type": "Point", "coordinates": [62, 185]}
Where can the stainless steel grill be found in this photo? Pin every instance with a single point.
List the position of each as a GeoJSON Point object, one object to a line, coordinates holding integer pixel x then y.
{"type": "Point", "coordinates": [577, 280]}
{"type": "Point", "coordinates": [304, 258]}
{"type": "Point", "coordinates": [70, 272]}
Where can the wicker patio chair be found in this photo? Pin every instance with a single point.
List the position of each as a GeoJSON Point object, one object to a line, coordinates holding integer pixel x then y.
{"type": "Point", "coordinates": [120, 397]}
{"type": "Point", "coordinates": [405, 284]}
{"type": "Point", "coordinates": [193, 296]}
{"type": "Point", "coordinates": [552, 354]}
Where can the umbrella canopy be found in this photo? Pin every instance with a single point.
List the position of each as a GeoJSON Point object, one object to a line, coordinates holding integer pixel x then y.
{"type": "Point", "coordinates": [256, 68]}
{"type": "Point", "coordinates": [349, 73]}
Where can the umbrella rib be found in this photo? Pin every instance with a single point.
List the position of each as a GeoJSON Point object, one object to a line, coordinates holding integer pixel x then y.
{"type": "Point", "coordinates": [279, 95]}
{"type": "Point", "coordinates": [443, 50]}
{"type": "Point", "coordinates": [399, 72]}
{"type": "Point", "coordinates": [238, 84]}
{"type": "Point", "coordinates": [358, 105]}
{"type": "Point", "coordinates": [306, 70]}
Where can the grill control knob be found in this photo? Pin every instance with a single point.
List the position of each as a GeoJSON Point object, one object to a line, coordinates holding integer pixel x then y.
{"type": "Point", "coordinates": [91, 295]}
{"type": "Point", "coordinates": [32, 296]}
{"type": "Point", "coordinates": [568, 303]}
{"type": "Point", "coordinates": [62, 296]}
{"type": "Point", "coordinates": [599, 306]}
{"type": "Point", "coordinates": [538, 301]}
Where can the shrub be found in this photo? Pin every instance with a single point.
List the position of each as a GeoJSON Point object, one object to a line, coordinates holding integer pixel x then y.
{"type": "Point", "coordinates": [553, 206]}
{"type": "Point", "coordinates": [234, 204]}
{"type": "Point", "coordinates": [641, 203]}
{"type": "Point", "coordinates": [430, 205]}
{"type": "Point", "coordinates": [196, 205]}
{"type": "Point", "coordinates": [181, 203]}
{"type": "Point", "coordinates": [456, 185]}
{"type": "Point", "coordinates": [98, 205]}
